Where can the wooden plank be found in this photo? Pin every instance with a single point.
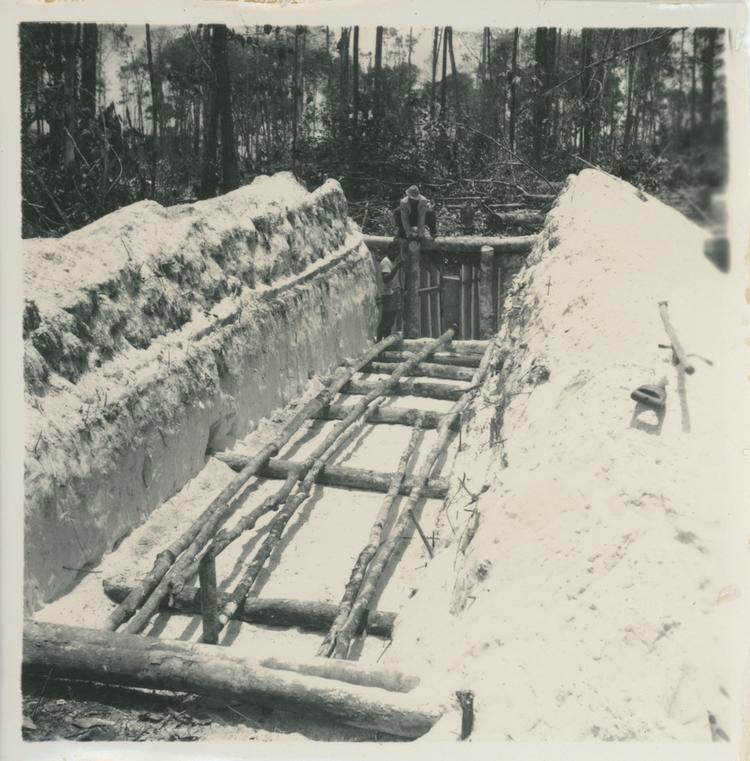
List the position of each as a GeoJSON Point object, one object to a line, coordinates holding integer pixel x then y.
{"type": "Point", "coordinates": [74, 653]}
{"type": "Point", "coordinates": [273, 611]}
{"type": "Point", "coordinates": [339, 476]}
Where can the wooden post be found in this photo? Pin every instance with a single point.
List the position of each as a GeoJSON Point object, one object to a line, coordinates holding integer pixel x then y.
{"type": "Point", "coordinates": [487, 321]}
{"type": "Point", "coordinates": [411, 297]}
{"type": "Point", "coordinates": [209, 604]}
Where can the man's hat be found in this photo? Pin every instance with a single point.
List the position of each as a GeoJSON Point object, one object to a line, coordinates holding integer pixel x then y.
{"type": "Point", "coordinates": [413, 192]}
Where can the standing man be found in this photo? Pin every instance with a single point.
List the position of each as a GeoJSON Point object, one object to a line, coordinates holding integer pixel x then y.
{"type": "Point", "coordinates": [389, 289]}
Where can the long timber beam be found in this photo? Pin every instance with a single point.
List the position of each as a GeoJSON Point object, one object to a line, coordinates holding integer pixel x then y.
{"type": "Point", "coordinates": [338, 475]}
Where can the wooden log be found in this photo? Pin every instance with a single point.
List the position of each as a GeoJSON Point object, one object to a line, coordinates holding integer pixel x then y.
{"type": "Point", "coordinates": [521, 218]}
{"type": "Point", "coordinates": [470, 347]}
{"type": "Point", "coordinates": [209, 606]}
{"type": "Point", "coordinates": [439, 357]}
{"type": "Point", "coordinates": [221, 507]}
{"type": "Point", "coordinates": [340, 476]}
{"type": "Point", "coordinates": [316, 462]}
{"type": "Point", "coordinates": [272, 611]}
{"type": "Point", "coordinates": [425, 370]}
{"type": "Point", "coordinates": [411, 293]}
{"type": "Point", "coordinates": [74, 653]}
{"type": "Point", "coordinates": [676, 345]}
{"type": "Point", "coordinates": [386, 416]}
{"type": "Point", "coordinates": [410, 387]}
{"type": "Point", "coordinates": [357, 574]}
{"type": "Point", "coordinates": [463, 244]}
{"type": "Point", "coordinates": [385, 678]}
{"type": "Point", "coordinates": [380, 560]}
{"type": "Point", "coordinates": [487, 312]}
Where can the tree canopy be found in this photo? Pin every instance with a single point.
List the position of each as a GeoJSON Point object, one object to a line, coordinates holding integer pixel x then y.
{"type": "Point", "coordinates": [114, 114]}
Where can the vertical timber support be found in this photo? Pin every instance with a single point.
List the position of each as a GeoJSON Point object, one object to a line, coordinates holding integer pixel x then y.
{"type": "Point", "coordinates": [209, 603]}
{"type": "Point", "coordinates": [487, 292]}
{"type": "Point", "coordinates": [411, 301]}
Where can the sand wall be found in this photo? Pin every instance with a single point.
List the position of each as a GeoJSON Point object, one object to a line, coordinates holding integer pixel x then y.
{"type": "Point", "coordinates": [591, 589]}
{"type": "Point", "coordinates": [157, 335]}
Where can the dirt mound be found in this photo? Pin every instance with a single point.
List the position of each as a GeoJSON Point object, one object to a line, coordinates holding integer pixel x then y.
{"type": "Point", "coordinates": [589, 583]}
{"type": "Point", "coordinates": [155, 336]}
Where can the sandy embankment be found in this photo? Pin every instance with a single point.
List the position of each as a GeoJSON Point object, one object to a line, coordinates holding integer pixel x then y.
{"type": "Point", "coordinates": [155, 335]}
{"type": "Point", "coordinates": [595, 593]}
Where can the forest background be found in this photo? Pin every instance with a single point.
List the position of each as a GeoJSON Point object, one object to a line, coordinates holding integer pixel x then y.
{"type": "Point", "coordinates": [484, 121]}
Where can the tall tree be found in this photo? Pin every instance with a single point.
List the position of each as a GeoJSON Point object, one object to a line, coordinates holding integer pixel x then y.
{"type": "Point", "coordinates": [707, 77]}
{"type": "Point", "coordinates": [230, 178]}
{"type": "Point", "coordinates": [154, 109]}
{"type": "Point", "coordinates": [71, 35]}
{"type": "Point", "coordinates": [378, 94]}
{"type": "Point", "coordinates": [89, 60]}
{"type": "Point", "coordinates": [435, 58]}
{"type": "Point", "coordinates": [513, 89]}
{"type": "Point", "coordinates": [444, 79]}
{"type": "Point", "coordinates": [355, 79]}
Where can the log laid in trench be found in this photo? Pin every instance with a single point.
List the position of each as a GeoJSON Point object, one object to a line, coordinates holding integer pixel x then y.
{"type": "Point", "coordinates": [380, 560]}
{"type": "Point", "coordinates": [340, 476]}
{"type": "Point", "coordinates": [525, 218]}
{"type": "Point", "coordinates": [425, 370]}
{"type": "Point", "coordinates": [410, 387]}
{"type": "Point", "coordinates": [271, 611]}
{"type": "Point", "coordinates": [74, 653]}
{"type": "Point", "coordinates": [386, 415]}
{"type": "Point", "coordinates": [221, 507]}
{"type": "Point", "coordinates": [471, 346]}
{"type": "Point", "coordinates": [357, 574]}
{"type": "Point", "coordinates": [439, 357]}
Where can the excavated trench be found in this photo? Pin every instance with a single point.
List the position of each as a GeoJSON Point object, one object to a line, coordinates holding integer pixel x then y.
{"type": "Point", "coordinates": [586, 579]}
{"type": "Point", "coordinates": [143, 408]}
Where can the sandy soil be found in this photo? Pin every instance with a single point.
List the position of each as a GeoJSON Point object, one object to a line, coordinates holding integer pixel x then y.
{"type": "Point", "coordinates": [596, 590]}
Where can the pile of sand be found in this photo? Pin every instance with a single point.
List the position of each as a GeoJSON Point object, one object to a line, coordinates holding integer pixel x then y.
{"type": "Point", "coordinates": [591, 586]}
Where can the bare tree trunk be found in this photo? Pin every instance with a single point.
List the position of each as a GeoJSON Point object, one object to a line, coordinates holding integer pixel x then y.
{"type": "Point", "coordinates": [692, 91]}
{"type": "Point", "coordinates": [444, 80]}
{"type": "Point", "coordinates": [70, 94]}
{"type": "Point", "coordinates": [89, 59]}
{"type": "Point", "coordinates": [378, 95]}
{"type": "Point", "coordinates": [435, 56]}
{"type": "Point", "coordinates": [355, 81]}
{"type": "Point", "coordinates": [586, 82]}
{"type": "Point", "coordinates": [628, 136]}
{"type": "Point", "coordinates": [210, 136]}
{"type": "Point", "coordinates": [707, 78]}
{"type": "Point", "coordinates": [295, 110]}
{"type": "Point", "coordinates": [513, 74]}
{"type": "Point", "coordinates": [154, 109]}
{"type": "Point", "coordinates": [229, 170]}
{"type": "Point", "coordinates": [454, 70]}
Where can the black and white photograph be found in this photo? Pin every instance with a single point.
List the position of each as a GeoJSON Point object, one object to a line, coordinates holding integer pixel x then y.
{"type": "Point", "coordinates": [381, 382]}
